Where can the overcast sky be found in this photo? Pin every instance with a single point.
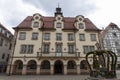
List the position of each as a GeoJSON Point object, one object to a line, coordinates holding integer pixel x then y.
{"type": "Point", "coordinates": [100, 12]}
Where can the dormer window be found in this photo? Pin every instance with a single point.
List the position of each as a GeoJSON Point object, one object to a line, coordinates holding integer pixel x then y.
{"type": "Point", "coordinates": [81, 26]}
{"type": "Point", "coordinates": [36, 24]}
{"type": "Point", "coordinates": [58, 25]}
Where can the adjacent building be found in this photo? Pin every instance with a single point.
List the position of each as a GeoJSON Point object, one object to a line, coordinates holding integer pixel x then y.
{"type": "Point", "coordinates": [110, 38]}
{"type": "Point", "coordinates": [5, 47]}
{"type": "Point", "coordinates": [52, 45]}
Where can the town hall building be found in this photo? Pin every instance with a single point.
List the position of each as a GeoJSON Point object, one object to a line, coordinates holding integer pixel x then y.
{"type": "Point", "coordinates": [52, 45]}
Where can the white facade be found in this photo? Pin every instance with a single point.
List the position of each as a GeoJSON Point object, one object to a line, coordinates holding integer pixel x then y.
{"type": "Point", "coordinates": [111, 40]}
{"type": "Point", "coordinates": [5, 47]}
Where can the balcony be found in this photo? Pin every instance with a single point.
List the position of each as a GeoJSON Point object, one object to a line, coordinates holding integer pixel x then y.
{"type": "Point", "coordinates": [55, 54]}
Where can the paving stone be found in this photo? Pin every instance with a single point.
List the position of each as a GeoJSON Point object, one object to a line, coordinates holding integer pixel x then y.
{"type": "Point", "coordinates": [50, 77]}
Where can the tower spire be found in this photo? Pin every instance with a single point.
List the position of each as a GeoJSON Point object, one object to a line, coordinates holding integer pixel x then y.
{"type": "Point", "coordinates": [58, 5]}
{"type": "Point", "coordinates": [58, 10]}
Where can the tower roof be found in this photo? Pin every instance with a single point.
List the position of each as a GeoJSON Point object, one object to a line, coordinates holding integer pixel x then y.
{"type": "Point", "coordinates": [58, 11]}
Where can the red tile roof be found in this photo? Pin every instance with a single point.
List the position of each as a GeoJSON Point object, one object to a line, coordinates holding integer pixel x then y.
{"type": "Point", "coordinates": [26, 23]}
{"type": "Point", "coordinates": [89, 25]}
{"type": "Point", "coordinates": [69, 23]}
{"type": "Point", "coordinates": [48, 23]}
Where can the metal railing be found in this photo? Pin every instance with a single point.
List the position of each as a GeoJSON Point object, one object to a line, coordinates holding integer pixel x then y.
{"type": "Point", "coordinates": [56, 54]}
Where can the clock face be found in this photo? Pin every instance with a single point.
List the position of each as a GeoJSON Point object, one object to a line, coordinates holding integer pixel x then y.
{"type": "Point", "coordinates": [80, 19]}
{"type": "Point", "coordinates": [36, 17]}
{"type": "Point", "coordinates": [58, 18]}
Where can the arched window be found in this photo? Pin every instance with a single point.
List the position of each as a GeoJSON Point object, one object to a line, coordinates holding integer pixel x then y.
{"type": "Point", "coordinates": [81, 25]}
{"type": "Point", "coordinates": [32, 65]}
{"type": "Point", "coordinates": [36, 24]}
{"type": "Point", "coordinates": [45, 65]}
{"type": "Point", "coordinates": [71, 65]}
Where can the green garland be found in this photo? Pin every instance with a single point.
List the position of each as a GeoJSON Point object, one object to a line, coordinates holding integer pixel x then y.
{"type": "Point", "coordinates": [98, 70]}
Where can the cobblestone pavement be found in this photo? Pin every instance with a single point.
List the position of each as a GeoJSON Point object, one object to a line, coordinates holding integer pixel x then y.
{"type": "Point", "coordinates": [49, 77]}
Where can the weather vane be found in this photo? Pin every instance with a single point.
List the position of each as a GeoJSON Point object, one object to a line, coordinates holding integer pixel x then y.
{"type": "Point", "coordinates": [58, 5]}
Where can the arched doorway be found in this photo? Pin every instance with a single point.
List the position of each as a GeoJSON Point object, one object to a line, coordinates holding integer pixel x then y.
{"type": "Point", "coordinates": [31, 67]}
{"type": "Point", "coordinates": [83, 64]}
{"type": "Point", "coordinates": [58, 67]}
{"type": "Point", "coordinates": [45, 67]}
{"type": "Point", "coordinates": [71, 67]}
{"type": "Point", "coordinates": [18, 66]}
{"type": "Point", "coordinates": [83, 67]}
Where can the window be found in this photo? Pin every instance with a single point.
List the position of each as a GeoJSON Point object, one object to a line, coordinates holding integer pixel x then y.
{"type": "Point", "coordinates": [71, 48]}
{"type": "Point", "coordinates": [59, 48]}
{"type": "Point", "coordinates": [22, 36]}
{"type": "Point", "coordinates": [93, 37]}
{"type": "Point", "coordinates": [36, 24]}
{"type": "Point", "coordinates": [116, 43]}
{"type": "Point", "coordinates": [81, 26]}
{"type": "Point", "coordinates": [46, 48]}
{"type": "Point", "coordinates": [88, 49]}
{"type": "Point", "coordinates": [23, 48]}
{"type": "Point", "coordinates": [10, 46]}
{"type": "Point", "coordinates": [8, 34]}
{"type": "Point", "coordinates": [3, 31]}
{"type": "Point", "coordinates": [118, 51]}
{"type": "Point", "coordinates": [30, 48]}
{"type": "Point", "coordinates": [27, 48]}
{"type": "Point", "coordinates": [107, 42]}
{"type": "Point", "coordinates": [92, 48]}
{"type": "Point", "coordinates": [82, 37]}
{"type": "Point", "coordinates": [46, 36]}
{"type": "Point", "coordinates": [85, 49]}
{"type": "Point", "coordinates": [114, 34]}
{"type": "Point", "coordinates": [58, 25]}
{"type": "Point", "coordinates": [6, 43]}
{"type": "Point", "coordinates": [1, 42]}
{"type": "Point", "coordinates": [59, 36]}
{"type": "Point", "coordinates": [34, 36]}
{"type": "Point", "coordinates": [70, 37]}
{"type": "Point", "coordinates": [7, 57]}
{"type": "Point", "coordinates": [3, 56]}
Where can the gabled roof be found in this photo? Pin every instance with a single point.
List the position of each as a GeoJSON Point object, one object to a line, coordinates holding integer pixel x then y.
{"type": "Point", "coordinates": [48, 23]}
{"type": "Point", "coordinates": [103, 33]}
{"type": "Point", "coordinates": [3, 27]}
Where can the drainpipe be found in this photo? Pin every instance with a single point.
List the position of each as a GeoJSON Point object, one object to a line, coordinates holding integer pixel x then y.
{"type": "Point", "coordinates": [75, 42]}
{"type": "Point", "coordinates": [42, 40]}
